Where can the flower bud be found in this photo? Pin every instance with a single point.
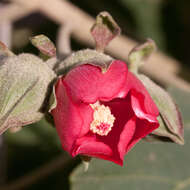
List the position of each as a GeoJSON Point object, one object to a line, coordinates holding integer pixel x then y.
{"type": "Point", "coordinates": [139, 54]}
{"type": "Point", "coordinates": [24, 82]}
{"type": "Point", "coordinates": [44, 45]}
{"type": "Point", "coordinates": [104, 30]}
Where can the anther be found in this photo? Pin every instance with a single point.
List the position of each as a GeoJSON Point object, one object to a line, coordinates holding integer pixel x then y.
{"type": "Point", "coordinates": [103, 120]}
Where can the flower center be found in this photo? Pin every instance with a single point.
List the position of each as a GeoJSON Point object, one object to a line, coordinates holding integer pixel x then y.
{"type": "Point", "coordinates": [103, 120]}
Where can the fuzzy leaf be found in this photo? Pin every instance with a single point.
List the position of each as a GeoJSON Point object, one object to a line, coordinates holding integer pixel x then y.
{"type": "Point", "coordinates": [171, 125]}
{"type": "Point", "coordinates": [83, 57]}
{"type": "Point", "coordinates": [24, 82]}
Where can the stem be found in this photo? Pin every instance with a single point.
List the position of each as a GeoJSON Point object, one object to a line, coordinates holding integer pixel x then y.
{"type": "Point", "coordinates": [118, 48]}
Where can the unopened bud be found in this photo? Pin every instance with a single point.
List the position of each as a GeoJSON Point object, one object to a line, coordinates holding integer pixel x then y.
{"type": "Point", "coordinates": [104, 30]}
{"type": "Point", "coordinates": [44, 45]}
{"type": "Point", "coordinates": [139, 54]}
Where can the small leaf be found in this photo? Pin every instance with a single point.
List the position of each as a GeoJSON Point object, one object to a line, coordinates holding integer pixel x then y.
{"type": "Point", "coordinates": [44, 45]}
{"type": "Point", "coordinates": [104, 30]}
{"type": "Point", "coordinates": [171, 125]}
{"type": "Point", "coordinates": [139, 54]}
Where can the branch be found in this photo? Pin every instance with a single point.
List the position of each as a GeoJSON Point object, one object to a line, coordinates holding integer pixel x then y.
{"type": "Point", "coordinates": [64, 38]}
{"type": "Point", "coordinates": [13, 12]}
{"type": "Point", "coordinates": [119, 47]}
{"type": "Point", "coordinates": [162, 68]}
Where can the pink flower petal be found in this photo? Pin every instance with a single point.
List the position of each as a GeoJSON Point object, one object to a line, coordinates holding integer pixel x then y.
{"type": "Point", "coordinates": [145, 123]}
{"type": "Point", "coordinates": [88, 84]}
{"type": "Point", "coordinates": [109, 147]}
{"type": "Point", "coordinates": [126, 136]}
{"type": "Point", "coordinates": [137, 103]}
{"type": "Point", "coordinates": [134, 83]}
{"type": "Point", "coordinates": [86, 113]}
{"type": "Point", "coordinates": [90, 146]}
{"type": "Point", "coordinates": [67, 118]}
{"type": "Point", "coordinates": [143, 128]}
{"type": "Point", "coordinates": [121, 109]}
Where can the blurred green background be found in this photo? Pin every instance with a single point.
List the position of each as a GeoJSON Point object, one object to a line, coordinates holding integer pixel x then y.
{"type": "Point", "coordinates": [149, 166]}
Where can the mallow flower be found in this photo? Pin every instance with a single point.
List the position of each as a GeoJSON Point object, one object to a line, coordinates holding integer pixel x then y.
{"type": "Point", "coordinates": [102, 114]}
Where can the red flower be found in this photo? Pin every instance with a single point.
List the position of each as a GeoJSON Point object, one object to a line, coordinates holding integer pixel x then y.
{"type": "Point", "coordinates": [102, 115]}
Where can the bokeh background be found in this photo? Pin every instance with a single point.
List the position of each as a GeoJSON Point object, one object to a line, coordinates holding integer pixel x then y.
{"type": "Point", "coordinates": [33, 159]}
